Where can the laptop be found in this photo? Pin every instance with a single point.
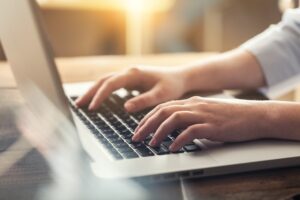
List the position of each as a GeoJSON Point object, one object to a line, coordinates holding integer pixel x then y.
{"type": "Point", "coordinates": [106, 134]}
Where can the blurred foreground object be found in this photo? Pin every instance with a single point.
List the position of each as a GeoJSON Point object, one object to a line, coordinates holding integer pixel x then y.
{"type": "Point", "coordinates": [55, 136]}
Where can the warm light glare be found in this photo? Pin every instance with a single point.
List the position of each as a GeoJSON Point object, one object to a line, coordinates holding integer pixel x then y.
{"type": "Point", "coordinates": [132, 5]}
{"type": "Point", "coordinates": [136, 5]}
{"type": "Point", "coordinates": [139, 17]}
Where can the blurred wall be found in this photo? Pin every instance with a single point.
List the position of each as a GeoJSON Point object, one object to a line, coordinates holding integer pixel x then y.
{"type": "Point", "coordinates": [82, 32]}
{"type": "Point", "coordinates": [85, 32]}
{"type": "Point", "coordinates": [217, 26]}
{"type": "Point", "coordinates": [213, 25]}
{"type": "Point", "coordinates": [245, 19]}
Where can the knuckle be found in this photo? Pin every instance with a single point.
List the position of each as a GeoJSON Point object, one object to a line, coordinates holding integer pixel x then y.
{"type": "Point", "coordinates": [201, 106]}
{"type": "Point", "coordinates": [194, 98]}
{"type": "Point", "coordinates": [160, 106]}
{"type": "Point", "coordinates": [160, 94]}
{"type": "Point", "coordinates": [157, 108]}
{"type": "Point", "coordinates": [177, 116]}
{"type": "Point", "coordinates": [186, 137]}
{"type": "Point", "coordinates": [163, 112]}
{"type": "Point", "coordinates": [192, 131]}
{"type": "Point", "coordinates": [108, 85]}
{"type": "Point", "coordinates": [140, 102]}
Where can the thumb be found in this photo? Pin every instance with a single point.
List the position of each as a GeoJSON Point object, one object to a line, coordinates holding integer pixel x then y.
{"type": "Point", "coordinates": [145, 100]}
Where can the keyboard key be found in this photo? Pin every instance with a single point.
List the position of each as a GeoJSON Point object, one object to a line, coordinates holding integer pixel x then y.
{"type": "Point", "coordinates": [125, 133]}
{"type": "Point", "coordinates": [138, 145]}
{"type": "Point", "coordinates": [129, 141]}
{"type": "Point", "coordinates": [130, 155]}
{"type": "Point", "coordinates": [108, 131]}
{"type": "Point", "coordinates": [144, 151]}
{"type": "Point", "coordinates": [167, 144]}
{"type": "Point", "coordinates": [107, 145]}
{"type": "Point", "coordinates": [121, 145]}
{"type": "Point", "coordinates": [191, 147]}
{"type": "Point", "coordinates": [118, 125]}
{"type": "Point", "coordinates": [74, 98]}
{"type": "Point", "coordinates": [100, 124]}
{"type": "Point", "coordinates": [175, 134]}
{"type": "Point", "coordinates": [127, 120]}
{"type": "Point", "coordinates": [160, 150]}
{"type": "Point", "coordinates": [167, 139]}
{"type": "Point", "coordinates": [118, 99]}
{"type": "Point", "coordinates": [113, 127]}
{"type": "Point", "coordinates": [90, 126]}
{"type": "Point", "coordinates": [96, 132]}
{"type": "Point", "coordinates": [132, 125]}
{"type": "Point", "coordinates": [116, 140]}
{"type": "Point", "coordinates": [148, 139]}
{"type": "Point", "coordinates": [103, 126]}
{"type": "Point", "coordinates": [125, 149]}
{"type": "Point", "coordinates": [122, 115]}
{"type": "Point", "coordinates": [179, 151]}
{"type": "Point", "coordinates": [99, 136]}
{"type": "Point", "coordinates": [138, 116]}
{"type": "Point", "coordinates": [117, 156]}
{"type": "Point", "coordinates": [104, 141]}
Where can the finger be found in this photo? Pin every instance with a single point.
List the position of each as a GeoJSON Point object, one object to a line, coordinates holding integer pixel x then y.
{"type": "Point", "coordinates": [110, 85]}
{"type": "Point", "coordinates": [177, 120]}
{"type": "Point", "coordinates": [154, 121]}
{"type": "Point", "coordinates": [197, 131]}
{"type": "Point", "coordinates": [86, 98]}
{"type": "Point", "coordinates": [156, 109]}
{"type": "Point", "coordinates": [147, 99]}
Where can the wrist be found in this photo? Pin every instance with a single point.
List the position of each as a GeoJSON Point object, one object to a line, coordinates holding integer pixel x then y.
{"type": "Point", "coordinates": [282, 120]}
{"type": "Point", "coordinates": [201, 77]}
{"type": "Point", "coordinates": [269, 123]}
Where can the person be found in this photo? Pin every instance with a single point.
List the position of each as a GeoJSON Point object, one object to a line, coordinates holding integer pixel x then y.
{"type": "Point", "coordinates": [266, 60]}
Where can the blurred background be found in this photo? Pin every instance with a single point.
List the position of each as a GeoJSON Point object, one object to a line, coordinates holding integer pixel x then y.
{"type": "Point", "coordinates": [136, 27]}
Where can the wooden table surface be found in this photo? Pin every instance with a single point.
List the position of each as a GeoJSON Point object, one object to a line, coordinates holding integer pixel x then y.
{"type": "Point", "coordinates": [30, 171]}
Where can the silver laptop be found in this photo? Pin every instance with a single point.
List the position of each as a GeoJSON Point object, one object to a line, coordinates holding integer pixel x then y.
{"type": "Point", "coordinates": [105, 134]}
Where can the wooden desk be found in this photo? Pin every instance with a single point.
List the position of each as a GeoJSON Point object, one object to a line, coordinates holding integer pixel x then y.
{"type": "Point", "coordinates": [31, 171]}
{"type": "Point", "coordinates": [91, 68]}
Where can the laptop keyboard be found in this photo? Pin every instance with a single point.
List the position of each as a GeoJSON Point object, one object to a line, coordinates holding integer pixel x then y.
{"type": "Point", "coordinates": [114, 128]}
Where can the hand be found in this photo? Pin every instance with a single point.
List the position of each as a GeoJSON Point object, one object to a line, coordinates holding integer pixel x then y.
{"type": "Point", "coordinates": [202, 118]}
{"type": "Point", "coordinates": [158, 85]}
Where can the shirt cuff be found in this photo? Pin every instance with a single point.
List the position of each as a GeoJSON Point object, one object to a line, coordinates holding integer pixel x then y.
{"type": "Point", "coordinates": [271, 52]}
{"type": "Point", "coordinates": [278, 49]}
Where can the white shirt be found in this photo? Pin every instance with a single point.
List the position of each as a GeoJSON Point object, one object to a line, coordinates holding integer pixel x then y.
{"type": "Point", "coordinates": [278, 49]}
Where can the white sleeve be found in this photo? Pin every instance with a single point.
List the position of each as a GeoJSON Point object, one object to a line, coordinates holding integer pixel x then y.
{"type": "Point", "coordinates": [278, 49]}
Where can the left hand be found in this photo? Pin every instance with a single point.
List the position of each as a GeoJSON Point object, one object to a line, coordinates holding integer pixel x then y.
{"type": "Point", "coordinates": [220, 120]}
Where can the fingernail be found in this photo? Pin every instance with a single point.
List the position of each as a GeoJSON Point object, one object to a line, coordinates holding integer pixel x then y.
{"type": "Point", "coordinates": [129, 106]}
{"type": "Point", "coordinates": [77, 101]}
{"type": "Point", "coordinates": [173, 147]}
{"type": "Point", "coordinates": [153, 142]}
{"type": "Point", "coordinates": [91, 107]}
{"type": "Point", "coordinates": [135, 137]}
{"type": "Point", "coordinates": [137, 128]}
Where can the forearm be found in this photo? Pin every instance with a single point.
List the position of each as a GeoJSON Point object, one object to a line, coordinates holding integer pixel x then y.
{"type": "Point", "coordinates": [237, 69]}
{"type": "Point", "coordinates": [284, 120]}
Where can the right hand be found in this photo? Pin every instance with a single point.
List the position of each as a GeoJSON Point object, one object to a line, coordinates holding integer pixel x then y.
{"type": "Point", "coordinates": [157, 86]}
